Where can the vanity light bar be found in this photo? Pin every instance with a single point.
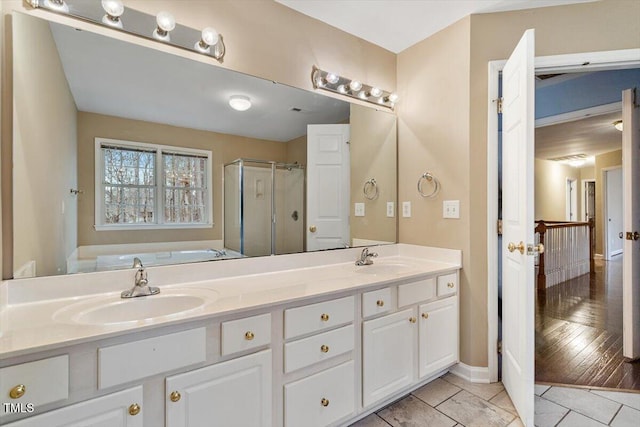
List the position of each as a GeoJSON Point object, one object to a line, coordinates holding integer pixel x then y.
{"type": "Point", "coordinates": [352, 88]}
{"type": "Point", "coordinates": [207, 42]}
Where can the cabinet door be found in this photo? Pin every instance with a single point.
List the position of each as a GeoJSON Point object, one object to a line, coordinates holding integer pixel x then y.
{"type": "Point", "coordinates": [232, 393]}
{"type": "Point", "coordinates": [388, 354]}
{"type": "Point", "coordinates": [438, 335]}
{"type": "Point", "coordinates": [113, 410]}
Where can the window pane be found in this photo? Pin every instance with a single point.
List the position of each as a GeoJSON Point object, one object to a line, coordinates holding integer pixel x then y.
{"type": "Point", "coordinates": [128, 167]}
{"type": "Point", "coordinates": [184, 206]}
{"type": "Point", "coordinates": [184, 171]}
{"type": "Point", "coordinates": [123, 205]}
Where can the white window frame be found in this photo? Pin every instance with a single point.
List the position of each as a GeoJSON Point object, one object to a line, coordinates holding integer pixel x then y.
{"type": "Point", "coordinates": [99, 223]}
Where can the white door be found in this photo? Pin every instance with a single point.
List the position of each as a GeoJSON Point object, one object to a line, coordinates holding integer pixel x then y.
{"type": "Point", "coordinates": [517, 218]}
{"type": "Point", "coordinates": [631, 260]}
{"type": "Point", "coordinates": [236, 393]}
{"type": "Point", "coordinates": [572, 200]}
{"type": "Point", "coordinates": [614, 225]}
{"type": "Point", "coordinates": [327, 186]}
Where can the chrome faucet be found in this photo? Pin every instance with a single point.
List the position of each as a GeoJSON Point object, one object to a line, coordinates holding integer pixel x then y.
{"type": "Point", "coordinates": [366, 257]}
{"type": "Point", "coordinates": [141, 287]}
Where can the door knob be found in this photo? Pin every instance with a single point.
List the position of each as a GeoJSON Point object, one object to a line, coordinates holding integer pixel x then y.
{"type": "Point", "coordinates": [632, 236]}
{"type": "Point", "coordinates": [312, 228]}
{"type": "Point", "coordinates": [532, 249]}
{"type": "Point", "coordinates": [512, 247]}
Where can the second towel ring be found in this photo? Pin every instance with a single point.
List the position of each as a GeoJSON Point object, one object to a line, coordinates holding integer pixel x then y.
{"type": "Point", "coordinates": [370, 189]}
{"type": "Point", "coordinates": [427, 176]}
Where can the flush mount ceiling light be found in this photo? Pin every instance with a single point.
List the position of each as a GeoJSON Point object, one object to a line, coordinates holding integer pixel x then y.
{"type": "Point", "coordinates": [353, 88]}
{"type": "Point", "coordinates": [206, 42]}
{"type": "Point", "coordinates": [240, 102]}
{"type": "Point", "coordinates": [114, 9]}
{"type": "Point", "coordinates": [618, 125]}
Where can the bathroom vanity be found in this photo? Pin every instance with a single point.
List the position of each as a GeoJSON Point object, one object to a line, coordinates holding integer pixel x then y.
{"type": "Point", "coordinates": [295, 340]}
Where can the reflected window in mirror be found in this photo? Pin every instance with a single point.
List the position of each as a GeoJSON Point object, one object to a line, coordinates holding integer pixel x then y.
{"type": "Point", "coordinates": [141, 186]}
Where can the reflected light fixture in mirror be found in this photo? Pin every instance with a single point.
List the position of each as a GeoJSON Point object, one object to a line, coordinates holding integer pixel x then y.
{"type": "Point", "coordinates": [114, 9]}
{"type": "Point", "coordinates": [240, 102]}
{"type": "Point", "coordinates": [618, 125]}
{"type": "Point", "coordinates": [206, 42]}
{"type": "Point", "coordinates": [353, 88]}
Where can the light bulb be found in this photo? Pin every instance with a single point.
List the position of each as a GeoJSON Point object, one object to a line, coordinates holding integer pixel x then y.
{"type": "Point", "coordinates": [166, 23]}
{"type": "Point", "coordinates": [362, 94]}
{"type": "Point", "coordinates": [209, 38]}
{"type": "Point", "coordinates": [332, 78]}
{"type": "Point", "coordinates": [393, 97]}
{"type": "Point", "coordinates": [58, 5]}
{"type": "Point", "coordinates": [618, 125]}
{"type": "Point", "coordinates": [114, 8]}
{"type": "Point", "coordinates": [376, 92]}
{"type": "Point", "coordinates": [240, 102]}
{"type": "Point", "coordinates": [355, 85]}
{"type": "Point", "coordinates": [342, 89]}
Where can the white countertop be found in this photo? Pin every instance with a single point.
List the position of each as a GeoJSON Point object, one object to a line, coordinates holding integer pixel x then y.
{"type": "Point", "coordinates": [33, 312]}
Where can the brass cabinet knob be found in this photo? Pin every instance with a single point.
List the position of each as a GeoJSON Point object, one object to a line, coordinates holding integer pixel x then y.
{"type": "Point", "coordinates": [413, 319]}
{"type": "Point", "coordinates": [134, 409]}
{"type": "Point", "coordinates": [249, 336]}
{"type": "Point", "coordinates": [324, 402]}
{"type": "Point", "coordinates": [324, 348]}
{"type": "Point", "coordinates": [425, 315]}
{"type": "Point", "coordinates": [18, 391]}
{"type": "Point", "coordinates": [312, 228]}
{"type": "Point", "coordinates": [175, 396]}
{"type": "Point", "coordinates": [380, 303]}
{"type": "Point", "coordinates": [324, 317]}
{"type": "Point", "coordinates": [450, 285]}
{"type": "Point", "coordinates": [512, 247]}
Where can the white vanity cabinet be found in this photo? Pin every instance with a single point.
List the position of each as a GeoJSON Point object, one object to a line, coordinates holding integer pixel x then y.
{"type": "Point", "coordinates": [121, 409]}
{"type": "Point", "coordinates": [235, 393]}
{"type": "Point", "coordinates": [438, 343]}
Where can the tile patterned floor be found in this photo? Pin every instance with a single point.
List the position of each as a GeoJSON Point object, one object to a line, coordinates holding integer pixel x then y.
{"type": "Point", "coordinates": [450, 401]}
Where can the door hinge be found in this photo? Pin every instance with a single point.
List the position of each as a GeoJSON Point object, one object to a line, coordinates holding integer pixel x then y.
{"type": "Point", "coordinates": [499, 226]}
{"type": "Point", "coordinates": [499, 347]}
{"type": "Point", "coordinates": [499, 104]}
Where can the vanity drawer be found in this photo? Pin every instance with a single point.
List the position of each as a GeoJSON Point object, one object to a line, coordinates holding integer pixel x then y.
{"type": "Point", "coordinates": [447, 284]}
{"type": "Point", "coordinates": [245, 334]}
{"type": "Point", "coordinates": [307, 351]}
{"type": "Point", "coordinates": [132, 361]}
{"type": "Point", "coordinates": [415, 292]}
{"type": "Point", "coordinates": [321, 399]}
{"type": "Point", "coordinates": [40, 382]}
{"type": "Point", "coordinates": [376, 302]}
{"type": "Point", "coordinates": [317, 317]}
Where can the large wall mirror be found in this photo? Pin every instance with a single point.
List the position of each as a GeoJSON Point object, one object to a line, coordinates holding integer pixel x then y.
{"type": "Point", "coordinates": [121, 150]}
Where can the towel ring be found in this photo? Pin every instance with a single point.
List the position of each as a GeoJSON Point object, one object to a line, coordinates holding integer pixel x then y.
{"type": "Point", "coordinates": [370, 189]}
{"type": "Point", "coordinates": [427, 176]}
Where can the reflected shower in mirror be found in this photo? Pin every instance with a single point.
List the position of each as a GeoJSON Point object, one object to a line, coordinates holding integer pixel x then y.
{"type": "Point", "coordinates": [119, 152]}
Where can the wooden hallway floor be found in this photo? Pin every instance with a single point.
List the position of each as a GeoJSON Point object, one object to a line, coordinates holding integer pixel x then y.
{"type": "Point", "coordinates": [579, 332]}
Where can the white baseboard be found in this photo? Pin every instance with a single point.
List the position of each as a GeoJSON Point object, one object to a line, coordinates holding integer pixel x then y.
{"type": "Point", "coordinates": [474, 374]}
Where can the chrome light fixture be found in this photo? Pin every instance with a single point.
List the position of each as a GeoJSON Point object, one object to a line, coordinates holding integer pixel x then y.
{"type": "Point", "coordinates": [353, 88]}
{"type": "Point", "coordinates": [206, 42]}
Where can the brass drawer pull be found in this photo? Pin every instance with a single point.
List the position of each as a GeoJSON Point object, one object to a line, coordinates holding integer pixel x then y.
{"type": "Point", "coordinates": [249, 336]}
{"type": "Point", "coordinates": [134, 409]}
{"type": "Point", "coordinates": [324, 317]}
{"type": "Point", "coordinates": [324, 348]}
{"type": "Point", "coordinates": [450, 285]}
{"type": "Point", "coordinates": [324, 402]}
{"type": "Point", "coordinates": [18, 391]}
{"type": "Point", "coordinates": [175, 396]}
{"type": "Point", "coordinates": [425, 315]}
{"type": "Point", "coordinates": [380, 303]}
{"type": "Point", "coordinates": [412, 319]}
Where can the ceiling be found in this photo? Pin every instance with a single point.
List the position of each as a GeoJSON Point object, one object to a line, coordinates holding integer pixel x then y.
{"type": "Point", "coordinates": [398, 24]}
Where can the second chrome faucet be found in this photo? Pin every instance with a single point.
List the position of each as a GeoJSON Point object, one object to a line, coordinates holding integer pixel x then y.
{"type": "Point", "coordinates": [366, 257]}
{"type": "Point", "coordinates": [141, 287]}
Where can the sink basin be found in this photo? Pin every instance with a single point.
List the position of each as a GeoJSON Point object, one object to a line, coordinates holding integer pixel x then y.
{"type": "Point", "coordinates": [111, 309]}
{"type": "Point", "coordinates": [384, 268]}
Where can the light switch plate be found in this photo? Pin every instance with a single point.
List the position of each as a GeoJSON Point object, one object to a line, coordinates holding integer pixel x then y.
{"type": "Point", "coordinates": [359, 209]}
{"type": "Point", "coordinates": [391, 209]}
{"type": "Point", "coordinates": [451, 209]}
{"type": "Point", "coordinates": [406, 209]}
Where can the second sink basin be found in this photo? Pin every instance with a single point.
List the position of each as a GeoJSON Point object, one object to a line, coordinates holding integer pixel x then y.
{"type": "Point", "coordinates": [111, 309]}
{"type": "Point", "coordinates": [384, 267]}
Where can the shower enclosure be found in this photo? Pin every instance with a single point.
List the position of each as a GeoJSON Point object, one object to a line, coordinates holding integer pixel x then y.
{"type": "Point", "coordinates": [263, 207]}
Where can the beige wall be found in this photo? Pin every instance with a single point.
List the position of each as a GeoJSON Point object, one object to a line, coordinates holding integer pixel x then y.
{"type": "Point", "coordinates": [373, 150]}
{"type": "Point", "coordinates": [225, 148]}
{"type": "Point", "coordinates": [603, 161]}
{"type": "Point", "coordinates": [551, 189]}
{"type": "Point", "coordinates": [44, 154]}
{"type": "Point", "coordinates": [297, 150]}
{"type": "Point", "coordinates": [443, 126]}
